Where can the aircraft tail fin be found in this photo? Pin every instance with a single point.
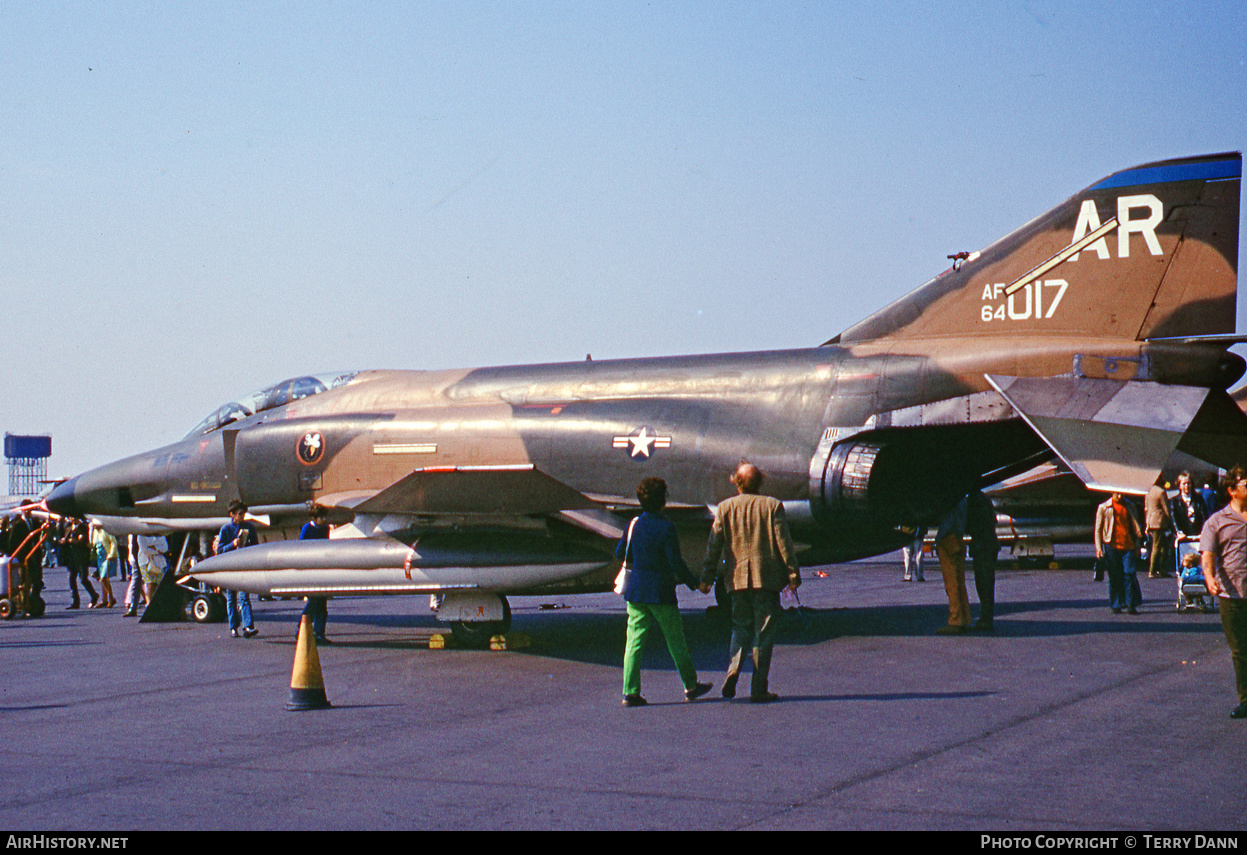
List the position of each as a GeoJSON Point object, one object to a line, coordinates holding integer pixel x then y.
{"type": "Point", "coordinates": [1148, 252]}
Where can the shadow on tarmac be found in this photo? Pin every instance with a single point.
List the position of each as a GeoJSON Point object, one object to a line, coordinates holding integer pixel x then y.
{"type": "Point", "coordinates": [892, 696]}
{"type": "Point", "coordinates": [897, 621]}
{"type": "Point", "coordinates": [743, 697]}
{"type": "Point", "coordinates": [594, 636]}
{"type": "Point", "coordinates": [22, 645]}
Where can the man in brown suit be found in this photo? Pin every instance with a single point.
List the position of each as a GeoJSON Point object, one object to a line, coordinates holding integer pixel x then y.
{"type": "Point", "coordinates": [1159, 532]}
{"type": "Point", "coordinates": [751, 534]}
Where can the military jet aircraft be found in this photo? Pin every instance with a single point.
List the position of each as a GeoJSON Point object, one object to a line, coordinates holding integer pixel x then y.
{"type": "Point", "coordinates": [1096, 334]}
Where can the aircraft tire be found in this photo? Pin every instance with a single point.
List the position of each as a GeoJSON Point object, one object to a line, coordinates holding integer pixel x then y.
{"type": "Point", "coordinates": [201, 609]}
{"type": "Point", "coordinates": [476, 634]}
{"type": "Point", "coordinates": [206, 608]}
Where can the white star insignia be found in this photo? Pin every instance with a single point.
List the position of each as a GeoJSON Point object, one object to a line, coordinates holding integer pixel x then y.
{"type": "Point", "coordinates": [642, 443]}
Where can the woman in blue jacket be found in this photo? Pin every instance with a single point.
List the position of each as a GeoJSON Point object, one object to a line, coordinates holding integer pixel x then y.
{"type": "Point", "coordinates": [652, 549]}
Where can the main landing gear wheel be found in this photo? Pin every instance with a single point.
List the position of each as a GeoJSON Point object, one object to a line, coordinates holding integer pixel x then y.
{"type": "Point", "coordinates": [201, 609]}
{"type": "Point", "coordinates": [476, 634]}
{"type": "Point", "coordinates": [204, 609]}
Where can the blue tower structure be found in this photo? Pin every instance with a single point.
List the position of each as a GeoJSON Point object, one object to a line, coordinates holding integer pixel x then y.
{"type": "Point", "coordinates": [28, 463]}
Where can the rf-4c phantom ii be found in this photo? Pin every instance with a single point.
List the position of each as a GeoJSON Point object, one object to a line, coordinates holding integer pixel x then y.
{"type": "Point", "coordinates": [1096, 334]}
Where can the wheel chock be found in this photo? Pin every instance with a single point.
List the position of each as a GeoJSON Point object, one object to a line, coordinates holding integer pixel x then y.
{"type": "Point", "coordinates": [513, 641]}
{"type": "Point", "coordinates": [437, 642]}
{"type": "Point", "coordinates": [307, 686]}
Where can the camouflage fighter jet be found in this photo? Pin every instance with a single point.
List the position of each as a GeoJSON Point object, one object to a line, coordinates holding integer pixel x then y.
{"type": "Point", "coordinates": [1096, 334]}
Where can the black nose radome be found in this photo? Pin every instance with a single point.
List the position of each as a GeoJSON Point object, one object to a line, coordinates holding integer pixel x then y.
{"type": "Point", "coordinates": [61, 499]}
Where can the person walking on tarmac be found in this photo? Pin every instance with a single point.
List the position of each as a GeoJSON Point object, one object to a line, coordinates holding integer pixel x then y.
{"type": "Point", "coordinates": [911, 554]}
{"type": "Point", "coordinates": [1117, 537]}
{"type": "Point", "coordinates": [75, 546]}
{"type": "Point", "coordinates": [236, 534]}
{"type": "Point", "coordinates": [950, 548]}
{"type": "Point", "coordinates": [1223, 558]}
{"type": "Point", "coordinates": [651, 548]}
{"type": "Point", "coordinates": [317, 608]}
{"type": "Point", "coordinates": [1187, 508]}
{"type": "Point", "coordinates": [134, 582]}
{"type": "Point", "coordinates": [150, 562]}
{"type": "Point", "coordinates": [751, 532]}
{"type": "Point", "coordinates": [26, 551]}
{"type": "Point", "coordinates": [107, 562]}
{"type": "Point", "coordinates": [984, 547]}
{"type": "Point", "coordinates": [1159, 533]}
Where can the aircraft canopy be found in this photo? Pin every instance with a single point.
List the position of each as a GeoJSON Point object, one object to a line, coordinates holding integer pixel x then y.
{"type": "Point", "coordinates": [268, 398]}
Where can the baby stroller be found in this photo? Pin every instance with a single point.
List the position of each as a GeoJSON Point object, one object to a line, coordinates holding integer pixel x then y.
{"type": "Point", "coordinates": [1192, 592]}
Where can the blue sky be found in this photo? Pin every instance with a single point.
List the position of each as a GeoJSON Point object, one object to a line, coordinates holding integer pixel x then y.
{"type": "Point", "coordinates": [202, 199]}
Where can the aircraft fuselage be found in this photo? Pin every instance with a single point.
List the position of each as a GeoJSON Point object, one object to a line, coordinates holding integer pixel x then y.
{"type": "Point", "coordinates": [601, 426]}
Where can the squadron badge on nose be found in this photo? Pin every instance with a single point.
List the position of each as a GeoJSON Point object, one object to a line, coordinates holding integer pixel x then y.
{"type": "Point", "coordinates": [311, 447]}
{"type": "Point", "coordinates": [641, 442]}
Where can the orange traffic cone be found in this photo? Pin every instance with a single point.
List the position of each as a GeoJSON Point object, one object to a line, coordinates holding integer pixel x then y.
{"type": "Point", "coordinates": [307, 687]}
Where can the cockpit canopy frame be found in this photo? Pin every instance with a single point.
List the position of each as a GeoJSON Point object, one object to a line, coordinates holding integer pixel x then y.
{"type": "Point", "coordinates": [271, 397]}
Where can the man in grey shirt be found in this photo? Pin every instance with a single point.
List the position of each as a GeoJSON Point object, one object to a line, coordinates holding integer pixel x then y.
{"type": "Point", "coordinates": [1223, 548]}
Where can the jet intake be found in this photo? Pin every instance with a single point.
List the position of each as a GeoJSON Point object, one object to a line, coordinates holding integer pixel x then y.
{"type": "Point", "coordinates": [846, 483]}
{"type": "Point", "coordinates": [904, 476]}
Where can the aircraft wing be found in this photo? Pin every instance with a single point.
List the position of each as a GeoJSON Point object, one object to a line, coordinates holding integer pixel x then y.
{"type": "Point", "coordinates": [438, 561]}
{"type": "Point", "coordinates": [520, 489]}
{"type": "Point", "coordinates": [1047, 483]}
{"type": "Point", "coordinates": [1045, 504]}
{"type": "Point", "coordinates": [1114, 435]}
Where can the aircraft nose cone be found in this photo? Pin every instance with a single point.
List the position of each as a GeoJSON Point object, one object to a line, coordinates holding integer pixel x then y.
{"type": "Point", "coordinates": [61, 499]}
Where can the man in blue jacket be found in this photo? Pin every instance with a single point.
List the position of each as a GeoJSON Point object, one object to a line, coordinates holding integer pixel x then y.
{"type": "Point", "coordinates": [652, 549]}
{"type": "Point", "coordinates": [236, 534]}
{"type": "Point", "coordinates": [317, 608]}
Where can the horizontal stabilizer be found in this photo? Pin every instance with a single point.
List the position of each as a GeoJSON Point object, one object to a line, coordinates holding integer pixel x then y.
{"type": "Point", "coordinates": [521, 489]}
{"type": "Point", "coordinates": [1113, 435]}
{"type": "Point", "coordinates": [1219, 433]}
